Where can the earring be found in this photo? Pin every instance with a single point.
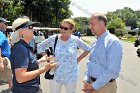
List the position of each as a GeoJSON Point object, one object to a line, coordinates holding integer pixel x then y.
{"type": "Point", "coordinates": [22, 36]}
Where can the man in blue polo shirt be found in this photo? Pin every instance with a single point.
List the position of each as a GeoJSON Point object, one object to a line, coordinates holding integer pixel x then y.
{"type": "Point", "coordinates": [5, 71]}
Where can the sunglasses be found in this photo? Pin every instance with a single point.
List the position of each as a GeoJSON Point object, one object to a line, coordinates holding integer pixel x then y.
{"type": "Point", "coordinates": [65, 28]}
{"type": "Point", "coordinates": [29, 27]}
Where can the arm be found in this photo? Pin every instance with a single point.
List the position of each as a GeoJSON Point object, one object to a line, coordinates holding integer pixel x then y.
{"type": "Point", "coordinates": [114, 56]}
{"type": "Point", "coordinates": [41, 47]}
{"type": "Point", "coordinates": [23, 76]}
{"type": "Point", "coordinates": [84, 54]}
{"type": "Point", "coordinates": [1, 62]}
{"type": "Point", "coordinates": [85, 47]}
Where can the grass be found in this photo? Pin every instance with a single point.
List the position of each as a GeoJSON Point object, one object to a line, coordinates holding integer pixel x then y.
{"type": "Point", "coordinates": [133, 39]}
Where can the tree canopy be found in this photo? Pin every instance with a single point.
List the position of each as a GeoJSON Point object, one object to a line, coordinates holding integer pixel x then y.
{"type": "Point", "coordinates": [47, 12]}
{"type": "Point", "coordinates": [128, 16]}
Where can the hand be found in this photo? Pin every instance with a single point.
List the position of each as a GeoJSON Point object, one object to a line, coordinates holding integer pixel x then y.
{"type": "Point", "coordinates": [87, 87]}
{"type": "Point", "coordinates": [51, 65]}
{"type": "Point", "coordinates": [1, 66]}
{"type": "Point", "coordinates": [45, 58]}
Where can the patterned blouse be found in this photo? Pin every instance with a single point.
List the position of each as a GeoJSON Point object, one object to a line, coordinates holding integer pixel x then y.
{"type": "Point", "coordinates": [65, 52]}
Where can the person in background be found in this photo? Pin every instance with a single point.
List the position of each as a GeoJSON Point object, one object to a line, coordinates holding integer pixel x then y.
{"type": "Point", "coordinates": [32, 43]}
{"type": "Point", "coordinates": [105, 58]}
{"type": "Point", "coordinates": [65, 74]}
{"type": "Point", "coordinates": [5, 69]}
{"type": "Point", "coordinates": [77, 33]}
{"type": "Point", "coordinates": [24, 64]}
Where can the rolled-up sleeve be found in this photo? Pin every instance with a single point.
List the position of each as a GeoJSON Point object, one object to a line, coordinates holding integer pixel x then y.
{"type": "Point", "coordinates": [41, 47]}
{"type": "Point", "coordinates": [83, 45]}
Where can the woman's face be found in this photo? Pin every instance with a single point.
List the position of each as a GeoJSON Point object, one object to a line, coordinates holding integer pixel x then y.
{"type": "Point", "coordinates": [27, 33]}
{"type": "Point", "coordinates": [65, 29]}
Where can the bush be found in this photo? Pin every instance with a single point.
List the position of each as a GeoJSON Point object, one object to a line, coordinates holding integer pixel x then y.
{"type": "Point", "coordinates": [119, 32]}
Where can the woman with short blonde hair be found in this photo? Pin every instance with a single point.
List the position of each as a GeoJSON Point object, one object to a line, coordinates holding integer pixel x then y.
{"type": "Point", "coordinates": [66, 54]}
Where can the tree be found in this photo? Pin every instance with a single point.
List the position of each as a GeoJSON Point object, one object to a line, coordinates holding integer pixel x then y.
{"type": "Point", "coordinates": [128, 16]}
{"type": "Point", "coordinates": [10, 11]}
{"type": "Point", "coordinates": [47, 12]}
{"type": "Point", "coordinates": [115, 24]}
{"type": "Point", "coordinates": [80, 21]}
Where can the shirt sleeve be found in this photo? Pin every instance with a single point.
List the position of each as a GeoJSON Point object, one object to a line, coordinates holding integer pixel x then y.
{"type": "Point", "coordinates": [41, 47]}
{"type": "Point", "coordinates": [114, 57]}
{"type": "Point", "coordinates": [83, 45]}
{"type": "Point", "coordinates": [1, 42]}
{"type": "Point", "coordinates": [21, 57]}
{"type": "Point", "coordinates": [86, 78]}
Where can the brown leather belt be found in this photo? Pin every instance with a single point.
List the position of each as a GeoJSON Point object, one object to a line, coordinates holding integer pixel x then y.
{"type": "Point", "coordinates": [94, 79]}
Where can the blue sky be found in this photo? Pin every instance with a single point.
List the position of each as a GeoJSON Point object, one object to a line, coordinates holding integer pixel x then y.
{"type": "Point", "coordinates": [85, 7]}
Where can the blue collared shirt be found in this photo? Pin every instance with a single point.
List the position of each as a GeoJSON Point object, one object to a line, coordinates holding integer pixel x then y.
{"type": "Point", "coordinates": [4, 45]}
{"type": "Point", "coordinates": [105, 60]}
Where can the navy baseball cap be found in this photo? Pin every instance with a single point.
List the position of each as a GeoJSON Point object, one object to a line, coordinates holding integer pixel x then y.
{"type": "Point", "coordinates": [3, 20]}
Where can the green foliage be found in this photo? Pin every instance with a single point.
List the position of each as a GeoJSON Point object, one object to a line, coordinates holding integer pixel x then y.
{"type": "Point", "coordinates": [116, 24]}
{"type": "Point", "coordinates": [128, 16]}
{"type": "Point", "coordinates": [129, 37]}
{"type": "Point", "coordinates": [48, 12]}
{"type": "Point", "coordinates": [80, 21]}
{"type": "Point", "coordinates": [119, 32]}
{"type": "Point", "coordinates": [9, 11]}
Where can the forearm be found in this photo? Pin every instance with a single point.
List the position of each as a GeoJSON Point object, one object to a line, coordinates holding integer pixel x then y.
{"type": "Point", "coordinates": [84, 54]}
{"type": "Point", "coordinates": [27, 76]}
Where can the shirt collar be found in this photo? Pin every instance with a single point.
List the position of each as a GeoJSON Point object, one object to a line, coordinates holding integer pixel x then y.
{"type": "Point", "coordinates": [25, 44]}
{"type": "Point", "coordinates": [103, 34]}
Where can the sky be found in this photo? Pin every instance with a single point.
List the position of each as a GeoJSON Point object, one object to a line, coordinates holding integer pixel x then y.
{"type": "Point", "coordinates": [86, 7]}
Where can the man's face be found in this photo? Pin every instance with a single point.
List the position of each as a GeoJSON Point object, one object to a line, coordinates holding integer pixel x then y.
{"type": "Point", "coordinates": [94, 25]}
{"type": "Point", "coordinates": [3, 26]}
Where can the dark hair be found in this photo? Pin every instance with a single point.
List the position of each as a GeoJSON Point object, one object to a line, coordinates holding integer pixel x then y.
{"type": "Point", "coordinates": [102, 18]}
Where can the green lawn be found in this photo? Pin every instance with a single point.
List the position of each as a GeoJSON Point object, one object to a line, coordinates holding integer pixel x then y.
{"type": "Point", "coordinates": [132, 39]}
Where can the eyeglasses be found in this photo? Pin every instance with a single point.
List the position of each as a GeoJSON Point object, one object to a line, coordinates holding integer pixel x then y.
{"type": "Point", "coordinates": [65, 28]}
{"type": "Point", "coordinates": [29, 27]}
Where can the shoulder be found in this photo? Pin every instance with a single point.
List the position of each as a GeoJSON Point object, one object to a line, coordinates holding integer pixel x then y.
{"type": "Point", "coordinates": [111, 39]}
{"type": "Point", "coordinates": [2, 35]}
{"type": "Point", "coordinates": [18, 47]}
{"type": "Point", "coordinates": [74, 37]}
{"type": "Point", "coordinates": [53, 36]}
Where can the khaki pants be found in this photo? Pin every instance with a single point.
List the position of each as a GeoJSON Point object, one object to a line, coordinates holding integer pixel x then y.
{"type": "Point", "coordinates": [110, 87]}
{"type": "Point", "coordinates": [6, 75]}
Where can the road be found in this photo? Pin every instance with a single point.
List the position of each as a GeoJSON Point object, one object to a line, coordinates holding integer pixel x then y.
{"type": "Point", "coordinates": [128, 81]}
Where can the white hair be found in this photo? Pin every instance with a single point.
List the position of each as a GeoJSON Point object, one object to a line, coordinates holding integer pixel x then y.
{"type": "Point", "coordinates": [15, 36]}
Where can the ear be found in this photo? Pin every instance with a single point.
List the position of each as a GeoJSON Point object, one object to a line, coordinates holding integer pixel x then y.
{"type": "Point", "coordinates": [21, 32]}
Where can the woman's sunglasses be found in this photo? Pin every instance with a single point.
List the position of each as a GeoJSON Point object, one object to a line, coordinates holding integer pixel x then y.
{"type": "Point", "coordinates": [65, 28]}
{"type": "Point", "coordinates": [29, 27]}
